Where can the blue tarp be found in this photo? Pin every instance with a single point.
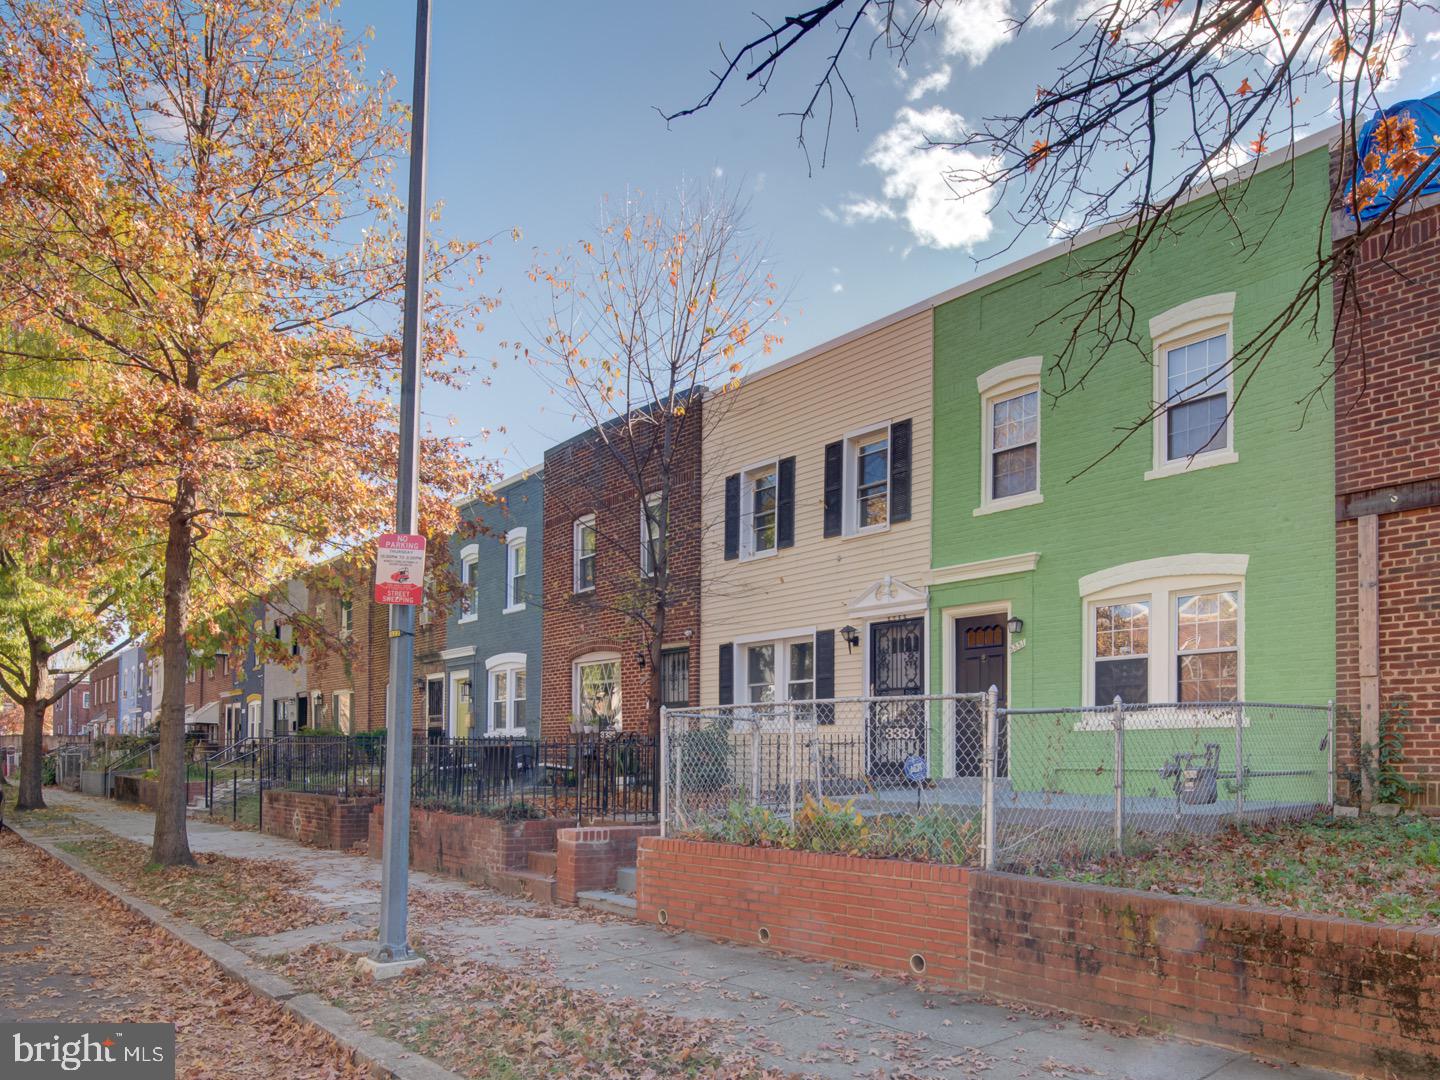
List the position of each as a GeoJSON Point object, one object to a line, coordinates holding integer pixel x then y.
{"type": "Point", "coordinates": [1426, 112]}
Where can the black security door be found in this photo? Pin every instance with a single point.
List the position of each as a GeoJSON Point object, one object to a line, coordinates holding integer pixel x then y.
{"type": "Point", "coordinates": [897, 670]}
{"type": "Point", "coordinates": [980, 654]}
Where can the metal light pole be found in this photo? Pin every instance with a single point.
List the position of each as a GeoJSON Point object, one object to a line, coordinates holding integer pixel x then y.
{"type": "Point", "coordinates": [394, 944]}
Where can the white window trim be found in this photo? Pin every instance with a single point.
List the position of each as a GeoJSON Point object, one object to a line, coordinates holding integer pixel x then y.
{"type": "Point", "coordinates": [741, 646]}
{"type": "Point", "coordinates": [1001, 383]}
{"type": "Point", "coordinates": [579, 523]}
{"type": "Point", "coordinates": [849, 502]}
{"type": "Point", "coordinates": [747, 510]}
{"type": "Point", "coordinates": [602, 656]}
{"type": "Point", "coordinates": [508, 664]}
{"type": "Point", "coordinates": [1191, 321]}
{"type": "Point", "coordinates": [1161, 593]}
{"type": "Point", "coordinates": [469, 568]}
{"type": "Point", "coordinates": [513, 539]}
{"type": "Point", "coordinates": [646, 569]}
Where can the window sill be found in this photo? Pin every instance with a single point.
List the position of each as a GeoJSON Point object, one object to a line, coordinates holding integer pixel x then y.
{"type": "Point", "coordinates": [1187, 465]}
{"type": "Point", "coordinates": [512, 609]}
{"type": "Point", "coordinates": [869, 530]}
{"type": "Point", "coordinates": [506, 733]}
{"type": "Point", "coordinates": [755, 556]}
{"type": "Point", "coordinates": [1011, 502]}
{"type": "Point", "coordinates": [467, 619]}
{"type": "Point", "coordinates": [585, 591]}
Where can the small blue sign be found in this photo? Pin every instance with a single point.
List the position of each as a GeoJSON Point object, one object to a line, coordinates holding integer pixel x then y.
{"type": "Point", "coordinates": [916, 769]}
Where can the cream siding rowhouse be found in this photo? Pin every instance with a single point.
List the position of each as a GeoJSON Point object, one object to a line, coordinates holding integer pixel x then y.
{"type": "Point", "coordinates": [809, 527]}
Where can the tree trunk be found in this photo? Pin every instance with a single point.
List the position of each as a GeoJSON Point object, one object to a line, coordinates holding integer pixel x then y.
{"type": "Point", "coordinates": [172, 844]}
{"type": "Point", "coordinates": [656, 690]}
{"type": "Point", "coordinates": [32, 750]}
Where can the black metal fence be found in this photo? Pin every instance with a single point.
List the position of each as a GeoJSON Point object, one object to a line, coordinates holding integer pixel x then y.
{"type": "Point", "coordinates": [586, 777]}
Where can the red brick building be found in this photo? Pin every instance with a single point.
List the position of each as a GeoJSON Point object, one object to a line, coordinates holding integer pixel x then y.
{"type": "Point", "coordinates": [373, 627]}
{"type": "Point", "coordinates": [1387, 454]}
{"type": "Point", "coordinates": [598, 663]}
{"type": "Point", "coordinates": [70, 714]}
{"type": "Point", "coordinates": [214, 706]}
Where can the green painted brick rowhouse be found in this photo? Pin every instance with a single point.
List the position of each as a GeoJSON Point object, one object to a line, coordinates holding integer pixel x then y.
{"type": "Point", "coordinates": [1226, 556]}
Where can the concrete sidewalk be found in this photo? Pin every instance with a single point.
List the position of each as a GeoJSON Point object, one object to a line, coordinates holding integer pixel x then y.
{"type": "Point", "coordinates": [808, 1018]}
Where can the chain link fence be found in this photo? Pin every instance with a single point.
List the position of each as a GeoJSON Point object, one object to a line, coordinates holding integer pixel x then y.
{"type": "Point", "coordinates": [957, 779]}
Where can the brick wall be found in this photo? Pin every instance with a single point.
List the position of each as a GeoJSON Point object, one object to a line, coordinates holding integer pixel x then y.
{"type": "Point", "coordinates": [872, 912]}
{"type": "Point", "coordinates": [588, 858]}
{"type": "Point", "coordinates": [1388, 434]}
{"type": "Point", "coordinates": [429, 641]}
{"type": "Point", "coordinates": [1333, 992]}
{"type": "Point", "coordinates": [324, 821]}
{"type": "Point", "coordinates": [584, 476]}
{"type": "Point", "coordinates": [467, 846]}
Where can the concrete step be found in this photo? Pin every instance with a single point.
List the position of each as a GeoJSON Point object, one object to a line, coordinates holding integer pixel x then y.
{"type": "Point", "coordinates": [543, 862]}
{"type": "Point", "coordinates": [604, 900]}
{"type": "Point", "coordinates": [625, 880]}
{"type": "Point", "coordinates": [528, 883]}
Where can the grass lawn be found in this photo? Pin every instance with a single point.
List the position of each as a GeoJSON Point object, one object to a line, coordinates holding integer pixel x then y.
{"type": "Point", "coordinates": [1376, 869]}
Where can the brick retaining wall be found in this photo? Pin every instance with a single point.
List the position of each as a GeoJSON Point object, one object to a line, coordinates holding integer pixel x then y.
{"type": "Point", "coordinates": [326, 821]}
{"type": "Point", "coordinates": [874, 912]}
{"type": "Point", "coordinates": [129, 787]}
{"type": "Point", "coordinates": [588, 858]}
{"type": "Point", "coordinates": [467, 846]}
{"type": "Point", "coordinates": [1333, 992]}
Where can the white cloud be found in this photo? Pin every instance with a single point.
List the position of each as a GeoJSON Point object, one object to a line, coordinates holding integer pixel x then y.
{"type": "Point", "coordinates": [974, 28]}
{"type": "Point", "coordinates": [937, 80]}
{"type": "Point", "coordinates": [719, 172]}
{"type": "Point", "coordinates": [931, 187]}
{"type": "Point", "coordinates": [838, 287]}
{"type": "Point", "coordinates": [865, 210]}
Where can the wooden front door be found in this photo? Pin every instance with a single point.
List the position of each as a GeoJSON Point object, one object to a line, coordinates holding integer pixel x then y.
{"type": "Point", "coordinates": [980, 655]}
{"type": "Point", "coordinates": [897, 670]}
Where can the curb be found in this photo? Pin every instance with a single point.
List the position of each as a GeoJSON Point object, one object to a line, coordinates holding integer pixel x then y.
{"type": "Point", "coordinates": [384, 1059]}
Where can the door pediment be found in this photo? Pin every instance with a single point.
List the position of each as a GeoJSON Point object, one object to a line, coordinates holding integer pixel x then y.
{"type": "Point", "coordinates": [888, 596]}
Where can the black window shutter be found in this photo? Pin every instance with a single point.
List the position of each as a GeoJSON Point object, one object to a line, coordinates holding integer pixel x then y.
{"type": "Point", "coordinates": [785, 505]}
{"type": "Point", "coordinates": [732, 516]}
{"type": "Point", "coordinates": [727, 674]}
{"type": "Point", "coordinates": [825, 674]}
{"type": "Point", "coordinates": [834, 482]}
{"type": "Point", "coordinates": [900, 471]}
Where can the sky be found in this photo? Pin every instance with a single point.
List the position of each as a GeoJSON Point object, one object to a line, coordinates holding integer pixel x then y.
{"type": "Point", "coordinates": [538, 111]}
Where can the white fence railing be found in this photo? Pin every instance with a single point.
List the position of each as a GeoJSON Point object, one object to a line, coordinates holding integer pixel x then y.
{"type": "Point", "coordinates": [959, 779]}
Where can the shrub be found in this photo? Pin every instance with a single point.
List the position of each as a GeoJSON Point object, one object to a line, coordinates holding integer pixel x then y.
{"type": "Point", "coordinates": [828, 825]}
{"type": "Point", "coordinates": [515, 810]}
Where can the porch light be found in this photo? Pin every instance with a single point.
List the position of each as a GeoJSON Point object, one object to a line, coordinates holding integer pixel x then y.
{"type": "Point", "coordinates": [1015, 625]}
{"type": "Point", "coordinates": [640, 658]}
{"type": "Point", "coordinates": [851, 636]}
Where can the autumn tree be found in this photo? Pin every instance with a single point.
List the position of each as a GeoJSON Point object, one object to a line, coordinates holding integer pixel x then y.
{"type": "Point", "coordinates": [1149, 102]}
{"type": "Point", "coordinates": [651, 320]}
{"type": "Point", "coordinates": [198, 217]}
